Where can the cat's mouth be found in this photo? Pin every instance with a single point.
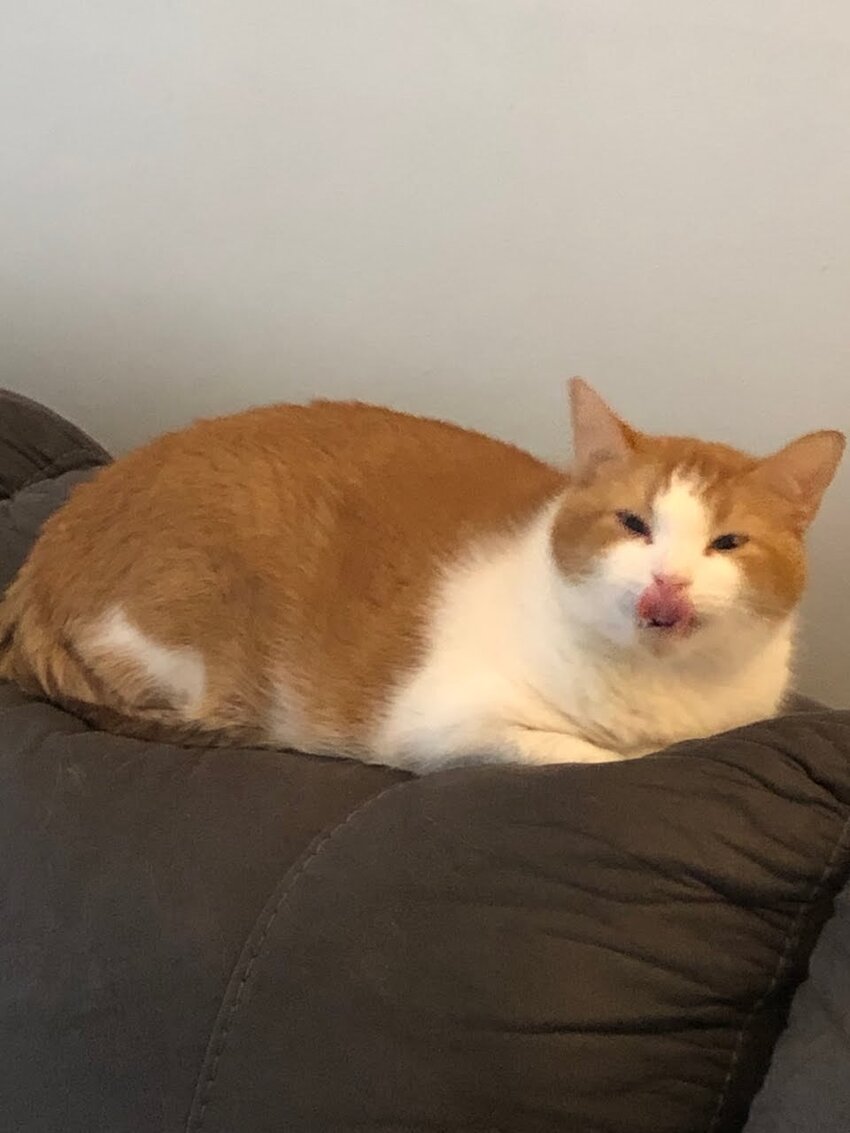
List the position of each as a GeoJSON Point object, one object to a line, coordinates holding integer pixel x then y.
{"type": "Point", "coordinates": [678, 627]}
{"type": "Point", "coordinates": [666, 610]}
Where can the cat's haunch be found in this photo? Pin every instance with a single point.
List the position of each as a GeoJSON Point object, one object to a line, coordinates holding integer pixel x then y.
{"type": "Point", "coordinates": [347, 580]}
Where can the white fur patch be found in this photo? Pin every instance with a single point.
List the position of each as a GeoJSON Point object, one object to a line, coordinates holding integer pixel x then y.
{"type": "Point", "coordinates": [680, 530]}
{"type": "Point", "coordinates": [515, 649]}
{"type": "Point", "coordinates": [472, 685]}
{"type": "Point", "coordinates": [178, 670]}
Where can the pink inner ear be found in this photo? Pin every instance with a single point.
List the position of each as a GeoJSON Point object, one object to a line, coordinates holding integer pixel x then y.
{"type": "Point", "coordinates": [598, 433]}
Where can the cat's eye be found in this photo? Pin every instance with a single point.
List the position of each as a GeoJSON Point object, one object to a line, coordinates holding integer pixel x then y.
{"type": "Point", "coordinates": [634, 523]}
{"type": "Point", "coordinates": [729, 542]}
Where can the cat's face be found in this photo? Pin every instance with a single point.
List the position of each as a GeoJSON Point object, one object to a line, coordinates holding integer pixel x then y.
{"type": "Point", "coordinates": [678, 545]}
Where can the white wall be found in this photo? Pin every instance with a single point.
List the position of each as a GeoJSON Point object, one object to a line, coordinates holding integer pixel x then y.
{"type": "Point", "coordinates": [448, 205]}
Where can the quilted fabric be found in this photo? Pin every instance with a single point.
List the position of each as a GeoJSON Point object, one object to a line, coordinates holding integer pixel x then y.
{"type": "Point", "coordinates": [37, 444]}
{"type": "Point", "coordinates": [595, 949]}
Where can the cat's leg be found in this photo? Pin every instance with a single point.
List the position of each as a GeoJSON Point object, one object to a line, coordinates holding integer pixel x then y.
{"type": "Point", "coordinates": [531, 745]}
{"type": "Point", "coordinates": [477, 740]}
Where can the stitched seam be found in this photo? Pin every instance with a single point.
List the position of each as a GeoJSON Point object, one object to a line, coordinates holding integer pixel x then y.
{"type": "Point", "coordinates": [791, 940]}
{"type": "Point", "coordinates": [73, 460]}
{"type": "Point", "coordinates": [204, 1092]}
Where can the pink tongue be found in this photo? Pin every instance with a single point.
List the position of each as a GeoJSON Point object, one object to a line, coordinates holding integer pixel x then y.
{"type": "Point", "coordinates": [665, 605]}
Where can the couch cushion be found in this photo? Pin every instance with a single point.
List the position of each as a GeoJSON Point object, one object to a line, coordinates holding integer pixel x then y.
{"type": "Point", "coordinates": [264, 940]}
{"type": "Point", "coordinates": [131, 875]}
{"type": "Point", "coordinates": [42, 457]}
{"type": "Point", "coordinates": [605, 949]}
{"type": "Point", "coordinates": [23, 513]}
{"type": "Point", "coordinates": [38, 444]}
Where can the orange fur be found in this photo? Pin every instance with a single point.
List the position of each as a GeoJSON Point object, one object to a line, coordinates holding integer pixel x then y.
{"type": "Point", "coordinates": [291, 543]}
{"type": "Point", "coordinates": [297, 549]}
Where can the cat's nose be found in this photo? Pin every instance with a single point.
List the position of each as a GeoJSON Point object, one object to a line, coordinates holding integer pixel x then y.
{"type": "Point", "coordinates": [671, 581]}
{"type": "Point", "coordinates": [666, 605]}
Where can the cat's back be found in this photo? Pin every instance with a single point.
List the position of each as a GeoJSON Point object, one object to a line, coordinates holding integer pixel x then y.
{"type": "Point", "coordinates": [257, 462]}
{"type": "Point", "coordinates": [359, 481]}
{"type": "Point", "coordinates": [353, 442]}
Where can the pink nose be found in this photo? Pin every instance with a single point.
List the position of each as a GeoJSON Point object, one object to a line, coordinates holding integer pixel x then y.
{"type": "Point", "coordinates": [665, 604]}
{"type": "Point", "coordinates": [671, 581]}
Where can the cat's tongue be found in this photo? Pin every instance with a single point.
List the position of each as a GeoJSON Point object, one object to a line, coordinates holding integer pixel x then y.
{"type": "Point", "coordinates": [665, 606]}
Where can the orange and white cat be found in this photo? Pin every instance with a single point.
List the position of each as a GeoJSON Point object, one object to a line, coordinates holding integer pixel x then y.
{"type": "Point", "coordinates": [344, 579]}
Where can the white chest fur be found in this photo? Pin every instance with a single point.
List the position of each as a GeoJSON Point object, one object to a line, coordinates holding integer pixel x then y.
{"type": "Point", "coordinates": [506, 649]}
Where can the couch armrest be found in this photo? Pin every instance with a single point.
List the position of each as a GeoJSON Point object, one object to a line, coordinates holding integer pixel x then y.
{"type": "Point", "coordinates": [38, 444]}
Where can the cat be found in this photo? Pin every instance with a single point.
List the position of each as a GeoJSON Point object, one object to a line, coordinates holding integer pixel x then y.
{"type": "Point", "coordinates": [343, 579]}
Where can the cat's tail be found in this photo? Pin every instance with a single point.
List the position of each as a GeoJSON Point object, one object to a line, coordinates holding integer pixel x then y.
{"type": "Point", "coordinates": [10, 661]}
{"type": "Point", "coordinates": [31, 656]}
{"type": "Point", "coordinates": [38, 653]}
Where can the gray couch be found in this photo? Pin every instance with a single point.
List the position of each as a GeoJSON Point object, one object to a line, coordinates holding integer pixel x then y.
{"type": "Point", "coordinates": [250, 941]}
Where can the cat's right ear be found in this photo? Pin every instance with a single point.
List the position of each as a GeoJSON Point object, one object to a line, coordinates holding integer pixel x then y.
{"type": "Point", "coordinates": [599, 435]}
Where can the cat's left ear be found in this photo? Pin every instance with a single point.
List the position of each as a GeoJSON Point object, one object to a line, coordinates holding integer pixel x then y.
{"type": "Point", "coordinates": [803, 470]}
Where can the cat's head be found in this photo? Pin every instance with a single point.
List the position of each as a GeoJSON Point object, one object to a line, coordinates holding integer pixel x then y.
{"type": "Point", "coordinates": [670, 543]}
